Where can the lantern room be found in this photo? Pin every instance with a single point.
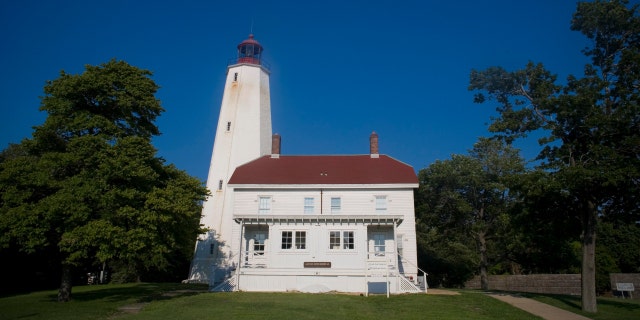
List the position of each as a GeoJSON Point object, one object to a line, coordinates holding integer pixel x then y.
{"type": "Point", "coordinates": [249, 51]}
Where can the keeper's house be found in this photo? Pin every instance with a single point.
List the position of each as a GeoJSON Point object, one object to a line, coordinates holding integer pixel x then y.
{"type": "Point", "coordinates": [325, 223]}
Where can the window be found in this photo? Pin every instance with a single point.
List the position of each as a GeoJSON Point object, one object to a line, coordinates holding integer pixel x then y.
{"type": "Point", "coordinates": [334, 240]}
{"type": "Point", "coordinates": [344, 240]}
{"type": "Point", "coordinates": [347, 240]}
{"type": "Point", "coordinates": [220, 185]}
{"type": "Point", "coordinates": [258, 244]}
{"type": "Point", "coordinates": [235, 76]}
{"type": "Point", "coordinates": [298, 242]}
{"type": "Point", "coordinates": [287, 239]}
{"type": "Point", "coordinates": [379, 244]}
{"type": "Point", "coordinates": [228, 126]}
{"type": "Point", "coordinates": [265, 205]}
{"type": "Point", "coordinates": [381, 204]}
{"type": "Point", "coordinates": [301, 239]}
{"type": "Point", "coordinates": [212, 248]}
{"type": "Point", "coordinates": [308, 205]}
{"type": "Point", "coordinates": [335, 205]}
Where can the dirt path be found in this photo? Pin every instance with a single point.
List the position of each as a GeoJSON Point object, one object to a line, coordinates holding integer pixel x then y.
{"type": "Point", "coordinates": [138, 306]}
{"type": "Point", "coordinates": [442, 292]}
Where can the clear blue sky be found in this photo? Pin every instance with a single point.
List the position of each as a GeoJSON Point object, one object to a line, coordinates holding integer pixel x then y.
{"type": "Point", "coordinates": [339, 69]}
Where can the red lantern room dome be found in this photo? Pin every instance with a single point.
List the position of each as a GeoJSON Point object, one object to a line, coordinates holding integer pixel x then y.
{"type": "Point", "coordinates": [249, 51]}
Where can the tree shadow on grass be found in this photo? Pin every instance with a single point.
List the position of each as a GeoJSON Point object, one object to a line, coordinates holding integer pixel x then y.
{"type": "Point", "coordinates": [145, 292]}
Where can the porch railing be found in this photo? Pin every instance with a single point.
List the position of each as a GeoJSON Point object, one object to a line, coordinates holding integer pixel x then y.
{"type": "Point", "coordinates": [254, 259]}
{"type": "Point", "coordinates": [424, 273]}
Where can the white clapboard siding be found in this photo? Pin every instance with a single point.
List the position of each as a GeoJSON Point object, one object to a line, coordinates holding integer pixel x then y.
{"type": "Point", "coordinates": [354, 201]}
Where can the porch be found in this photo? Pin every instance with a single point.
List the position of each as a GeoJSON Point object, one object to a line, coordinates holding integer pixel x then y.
{"type": "Point", "coordinates": [316, 253]}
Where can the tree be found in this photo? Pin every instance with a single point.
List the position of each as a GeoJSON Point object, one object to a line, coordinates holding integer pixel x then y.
{"type": "Point", "coordinates": [88, 187]}
{"type": "Point", "coordinates": [466, 201]}
{"type": "Point", "coordinates": [592, 124]}
{"type": "Point", "coordinates": [543, 234]}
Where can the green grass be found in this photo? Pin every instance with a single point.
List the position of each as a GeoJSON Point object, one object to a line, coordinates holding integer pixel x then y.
{"type": "Point", "coordinates": [243, 305]}
{"type": "Point", "coordinates": [89, 302]}
{"type": "Point", "coordinates": [608, 308]}
{"type": "Point", "coordinates": [102, 302]}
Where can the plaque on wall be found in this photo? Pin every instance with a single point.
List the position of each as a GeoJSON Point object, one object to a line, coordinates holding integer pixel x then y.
{"type": "Point", "coordinates": [315, 264]}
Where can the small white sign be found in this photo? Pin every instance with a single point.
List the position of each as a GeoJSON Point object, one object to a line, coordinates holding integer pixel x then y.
{"type": "Point", "coordinates": [624, 287]}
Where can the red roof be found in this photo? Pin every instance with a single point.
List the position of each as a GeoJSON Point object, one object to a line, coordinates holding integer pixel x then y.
{"type": "Point", "coordinates": [251, 40]}
{"type": "Point", "coordinates": [349, 169]}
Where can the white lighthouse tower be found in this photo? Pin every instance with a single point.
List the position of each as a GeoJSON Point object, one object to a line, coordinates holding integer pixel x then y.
{"type": "Point", "coordinates": [243, 134]}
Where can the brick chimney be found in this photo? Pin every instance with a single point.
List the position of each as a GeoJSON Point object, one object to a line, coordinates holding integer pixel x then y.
{"type": "Point", "coordinates": [275, 146]}
{"type": "Point", "coordinates": [373, 145]}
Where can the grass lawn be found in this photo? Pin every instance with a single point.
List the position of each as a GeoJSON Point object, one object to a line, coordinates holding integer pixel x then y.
{"type": "Point", "coordinates": [608, 308]}
{"type": "Point", "coordinates": [244, 305]}
{"type": "Point", "coordinates": [89, 302]}
{"type": "Point", "coordinates": [102, 302]}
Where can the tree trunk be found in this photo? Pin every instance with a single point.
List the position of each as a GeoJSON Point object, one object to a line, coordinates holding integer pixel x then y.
{"type": "Point", "coordinates": [589, 216]}
{"type": "Point", "coordinates": [482, 247]}
{"type": "Point", "coordinates": [64, 293]}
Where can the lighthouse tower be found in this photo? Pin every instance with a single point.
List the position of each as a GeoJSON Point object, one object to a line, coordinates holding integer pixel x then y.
{"type": "Point", "coordinates": [243, 134]}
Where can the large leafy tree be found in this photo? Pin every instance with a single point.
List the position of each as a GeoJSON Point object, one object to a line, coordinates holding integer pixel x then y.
{"type": "Point", "coordinates": [88, 186]}
{"type": "Point", "coordinates": [592, 123]}
{"type": "Point", "coordinates": [465, 203]}
{"type": "Point", "coordinates": [543, 235]}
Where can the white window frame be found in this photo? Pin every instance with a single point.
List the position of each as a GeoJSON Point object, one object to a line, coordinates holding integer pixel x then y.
{"type": "Point", "coordinates": [336, 206]}
{"type": "Point", "coordinates": [333, 236]}
{"type": "Point", "coordinates": [379, 248]}
{"type": "Point", "coordinates": [342, 244]}
{"type": "Point", "coordinates": [309, 205]}
{"type": "Point", "coordinates": [298, 240]}
{"type": "Point", "coordinates": [259, 243]}
{"type": "Point", "coordinates": [348, 234]}
{"type": "Point", "coordinates": [381, 204]}
{"type": "Point", "coordinates": [264, 204]}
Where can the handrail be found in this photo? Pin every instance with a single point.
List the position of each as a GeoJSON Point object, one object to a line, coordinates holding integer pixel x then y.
{"type": "Point", "coordinates": [424, 273]}
{"type": "Point", "coordinates": [263, 62]}
{"type": "Point", "coordinates": [411, 263]}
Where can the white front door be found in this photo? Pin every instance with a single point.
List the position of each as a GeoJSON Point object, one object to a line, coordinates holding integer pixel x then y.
{"type": "Point", "coordinates": [378, 245]}
{"type": "Point", "coordinates": [256, 248]}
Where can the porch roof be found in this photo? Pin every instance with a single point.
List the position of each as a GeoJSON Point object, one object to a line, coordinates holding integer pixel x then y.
{"type": "Point", "coordinates": [326, 219]}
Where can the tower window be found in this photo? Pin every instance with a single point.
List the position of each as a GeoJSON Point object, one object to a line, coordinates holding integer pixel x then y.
{"type": "Point", "coordinates": [228, 125]}
{"type": "Point", "coordinates": [219, 184]}
{"type": "Point", "coordinates": [235, 76]}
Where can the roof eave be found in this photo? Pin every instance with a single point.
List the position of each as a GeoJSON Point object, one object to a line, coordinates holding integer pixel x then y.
{"type": "Point", "coordinates": [324, 186]}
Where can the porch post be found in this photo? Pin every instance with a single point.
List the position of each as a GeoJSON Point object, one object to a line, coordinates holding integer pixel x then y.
{"type": "Point", "coordinates": [388, 284]}
{"type": "Point", "coordinates": [366, 263]}
{"type": "Point", "coordinates": [395, 245]}
{"type": "Point", "coordinates": [239, 255]}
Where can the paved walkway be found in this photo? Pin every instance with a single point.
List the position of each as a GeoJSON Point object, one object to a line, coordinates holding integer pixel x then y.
{"type": "Point", "coordinates": [539, 309]}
